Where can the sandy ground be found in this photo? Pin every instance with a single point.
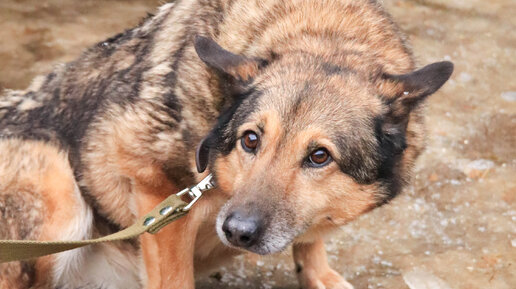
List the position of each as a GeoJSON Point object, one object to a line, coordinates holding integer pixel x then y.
{"type": "Point", "coordinates": [454, 228]}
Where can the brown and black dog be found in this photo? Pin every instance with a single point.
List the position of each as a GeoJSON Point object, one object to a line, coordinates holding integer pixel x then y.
{"type": "Point", "coordinates": [307, 112]}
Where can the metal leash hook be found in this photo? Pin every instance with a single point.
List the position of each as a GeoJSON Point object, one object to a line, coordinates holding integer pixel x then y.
{"type": "Point", "coordinates": [195, 192]}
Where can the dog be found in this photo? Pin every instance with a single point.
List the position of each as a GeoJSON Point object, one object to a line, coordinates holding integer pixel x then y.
{"type": "Point", "coordinates": [308, 114]}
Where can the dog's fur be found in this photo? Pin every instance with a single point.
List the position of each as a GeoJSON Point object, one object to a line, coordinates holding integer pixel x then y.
{"type": "Point", "coordinates": [102, 140]}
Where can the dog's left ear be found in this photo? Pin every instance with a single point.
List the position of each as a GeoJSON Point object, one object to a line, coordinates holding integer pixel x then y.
{"type": "Point", "coordinates": [236, 72]}
{"type": "Point", "coordinates": [236, 66]}
{"type": "Point", "coordinates": [404, 92]}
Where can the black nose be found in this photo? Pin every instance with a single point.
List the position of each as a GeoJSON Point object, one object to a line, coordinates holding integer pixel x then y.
{"type": "Point", "coordinates": [242, 229]}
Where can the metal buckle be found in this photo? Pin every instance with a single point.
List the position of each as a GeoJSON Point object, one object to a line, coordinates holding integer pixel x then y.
{"type": "Point", "coordinates": [195, 192]}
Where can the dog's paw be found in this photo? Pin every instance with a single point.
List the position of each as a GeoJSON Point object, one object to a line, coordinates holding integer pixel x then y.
{"type": "Point", "coordinates": [328, 280]}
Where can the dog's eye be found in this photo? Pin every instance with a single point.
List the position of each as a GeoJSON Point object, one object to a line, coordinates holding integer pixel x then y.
{"type": "Point", "coordinates": [249, 141]}
{"type": "Point", "coordinates": [319, 158]}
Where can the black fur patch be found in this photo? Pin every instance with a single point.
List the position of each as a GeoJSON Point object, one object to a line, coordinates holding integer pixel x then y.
{"type": "Point", "coordinates": [359, 156]}
{"type": "Point", "coordinates": [330, 68]}
{"type": "Point", "coordinates": [299, 268]}
{"type": "Point", "coordinates": [358, 160]}
{"type": "Point", "coordinates": [391, 147]}
{"type": "Point", "coordinates": [222, 138]}
{"type": "Point", "coordinates": [233, 118]}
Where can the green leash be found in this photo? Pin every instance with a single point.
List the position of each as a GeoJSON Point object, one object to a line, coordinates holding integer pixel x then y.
{"type": "Point", "coordinates": [171, 209]}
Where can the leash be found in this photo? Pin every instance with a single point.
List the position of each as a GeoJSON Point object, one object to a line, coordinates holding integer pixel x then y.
{"type": "Point", "coordinates": [171, 209]}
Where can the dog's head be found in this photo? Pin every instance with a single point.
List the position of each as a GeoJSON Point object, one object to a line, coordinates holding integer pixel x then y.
{"type": "Point", "coordinates": [307, 145]}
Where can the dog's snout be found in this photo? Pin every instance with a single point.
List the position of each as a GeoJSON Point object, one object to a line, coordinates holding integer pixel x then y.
{"type": "Point", "coordinates": [242, 229]}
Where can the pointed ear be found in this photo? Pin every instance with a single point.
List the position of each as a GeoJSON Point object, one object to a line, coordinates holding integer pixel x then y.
{"type": "Point", "coordinates": [236, 66]}
{"type": "Point", "coordinates": [202, 154]}
{"type": "Point", "coordinates": [404, 92]}
{"type": "Point", "coordinates": [423, 82]}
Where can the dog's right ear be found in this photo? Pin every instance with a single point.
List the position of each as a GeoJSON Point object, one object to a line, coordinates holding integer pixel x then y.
{"type": "Point", "coordinates": [202, 154]}
{"type": "Point", "coordinates": [236, 66]}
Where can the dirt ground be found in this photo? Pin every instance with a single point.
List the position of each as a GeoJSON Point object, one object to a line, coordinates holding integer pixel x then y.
{"type": "Point", "coordinates": [455, 227]}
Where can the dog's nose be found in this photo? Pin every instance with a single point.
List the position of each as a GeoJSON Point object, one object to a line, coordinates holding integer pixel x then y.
{"type": "Point", "coordinates": [241, 229]}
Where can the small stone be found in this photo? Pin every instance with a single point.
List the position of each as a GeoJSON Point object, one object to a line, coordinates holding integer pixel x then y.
{"type": "Point", "coordinates": [433, 177]}
{"type": "Point", "coordinates": [454, 182]}
{"type": "Point", "coordinates": [509, 95]}
{"type": "Point", "coordinates": [465, 77]}
{"type": "Point", "coordinates": [478, 168]}
{"type": "Point", "coordinates": [419, 279]}
{"type": "Point", "coordinates": [513, 242]}
{"type": "Point", "coordinates": [386, 263]}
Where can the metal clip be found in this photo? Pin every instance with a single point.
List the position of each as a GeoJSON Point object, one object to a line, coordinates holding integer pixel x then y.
{"type": "Point", "coordinates": [195, 192]}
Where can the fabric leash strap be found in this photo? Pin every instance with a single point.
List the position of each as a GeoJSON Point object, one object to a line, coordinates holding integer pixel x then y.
{"type": "Point", "coordinates": [171, 209]}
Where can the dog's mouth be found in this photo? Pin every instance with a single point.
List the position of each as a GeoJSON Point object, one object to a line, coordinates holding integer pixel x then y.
{"type": "Point", "coordinates": [254, 231]}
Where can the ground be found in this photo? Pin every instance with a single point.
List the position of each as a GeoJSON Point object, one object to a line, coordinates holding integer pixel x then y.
{"type": "Point", "coordinates": [455, 227]}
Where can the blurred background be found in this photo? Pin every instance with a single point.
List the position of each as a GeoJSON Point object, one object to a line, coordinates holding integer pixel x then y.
{"type": "Point", "coordinates": [455, 227]}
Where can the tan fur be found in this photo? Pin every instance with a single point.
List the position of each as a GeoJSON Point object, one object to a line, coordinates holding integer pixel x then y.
{"type": "Point", "coordinates": [42, 170]}
{"type": "Point", "coordinates": [312, 268]}
{"type": "Point", "coordinates": [246, 71]}
{"type": "Point", "coordinates": [135, 152]}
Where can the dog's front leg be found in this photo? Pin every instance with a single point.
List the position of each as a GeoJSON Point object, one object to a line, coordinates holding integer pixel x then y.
{"type": "Point", "coordinates": [168, 255]}
{"type": "Point", "coordinates": [313, 271]}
